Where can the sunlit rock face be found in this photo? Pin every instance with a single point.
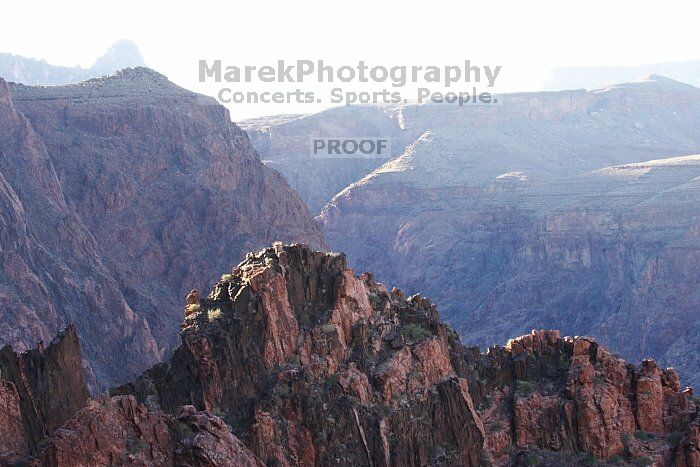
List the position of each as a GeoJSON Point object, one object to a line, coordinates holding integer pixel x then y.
{"type": "Point", "coordinates": [539, 211]}
{"type": "Point", "coordinates": [310, 364]}
{"type": "Point", "coordinates": [292, 359]}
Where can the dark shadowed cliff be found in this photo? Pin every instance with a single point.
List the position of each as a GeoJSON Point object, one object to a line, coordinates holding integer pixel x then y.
{"type": "Point", "coordinates": [122, 193]}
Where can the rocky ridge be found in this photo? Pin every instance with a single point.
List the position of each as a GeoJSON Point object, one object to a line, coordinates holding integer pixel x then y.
{"type": "Point", "coordinates": [293, 360]}
{"type": "Point", "coordinates": [310, 365]}
{"type": "Point", "coordinates": [41, 390]}
{"type": "Point", "coordinates": [545, 135]}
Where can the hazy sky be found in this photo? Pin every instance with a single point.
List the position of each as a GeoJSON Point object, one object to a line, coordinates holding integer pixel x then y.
{"type": "Point", "coordinates": [526, 38]}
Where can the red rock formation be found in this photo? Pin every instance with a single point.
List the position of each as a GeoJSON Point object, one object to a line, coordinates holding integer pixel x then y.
{"type": "Point", "coordinates": [118, 431]}
{"type": "Point", "coordinates": [14, 441]}
{"type": "Point", "coordinates": [688, 453]}
{"type": "Point", "coordinates": [293, 360]}
{"type": "Point", "coordinates": [306, 358]}
{"type": "Point", "coordinates": [604, 406]}
{"type": "Point", "coordinates": [49, 384]}
{"type": "Point", "coordinates": [311, 364]}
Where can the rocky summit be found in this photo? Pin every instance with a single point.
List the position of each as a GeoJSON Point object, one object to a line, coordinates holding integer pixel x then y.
{"type": "Point", "coordinates": [122, 54]}
{"type": "Point", "coordinates": [117, 195]}
{"type": "Point", "coordinates": [292, 359]}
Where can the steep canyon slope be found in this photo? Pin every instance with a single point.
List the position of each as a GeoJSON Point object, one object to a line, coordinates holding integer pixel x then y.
{"type": "Point", "coordinates": [121, 194]}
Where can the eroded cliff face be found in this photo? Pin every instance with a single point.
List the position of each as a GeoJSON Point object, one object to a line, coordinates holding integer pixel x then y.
{"type": "Point", "coordinates": [14, 441]}
{"type": "Point", "coordinates": [311, 365]}
{"type": "Point", "coordinates": [294, 360]}
{"type": "Point", "coordinates": [48, 419]}
{"type": "Point", "coordinates": [118, 195]}
{"type": "Point", "coordinates": [611, 253]}
{"type": "Point", "coordinates": [53, 273]}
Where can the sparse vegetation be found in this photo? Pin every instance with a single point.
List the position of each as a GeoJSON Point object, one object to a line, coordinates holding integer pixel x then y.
{"type": "Point", "coordinates": [214, 314]}
{"type": "Point", "coordinates": [533, 458]}
{"type": "Point", "coordinates": [375, 300]}
{"type": "Point", "coordinates": [192, 308]}
{"type": "Point", "coordinates": [293, 359]}
{"type": "Point", "coordinates": [626, 438]}
{"type": "Point", "coordinates": [135, 446]}
{"type": "Point", "coordinates": [642, 435]}
{"type": "Point", "coordinates": [509, 449]}
{"type": "Point", "coordinates": [404, 315]}
{"type": "Point", "coordinates": [226, 277]}
{"type": "Point", "coordinates": [524, 388]}
{"type": "Point", "coordinates": [332, 380]}
{"type": "Point", "coordinates": [415, 332]}
{"type": "Point", "coordinates": [43, 444]}
{"type": "Point", "coordinates": [643, 461]}
{"type": "Point", "coordinates": [451, 333]}
{"type": "Point", "coordinates": [183, 429]}
{"type": "Point", "coordinates": [498, 425]}
{"type": "Point", "coordinates": [486, 403]}
{"type": "Point", "coordinates": [674, 438]}
{"type": "Point", "coordinates": [485, 457]}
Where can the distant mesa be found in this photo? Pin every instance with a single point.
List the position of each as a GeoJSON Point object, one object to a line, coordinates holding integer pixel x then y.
{"type": "Point", "coordinates": [18, 69]}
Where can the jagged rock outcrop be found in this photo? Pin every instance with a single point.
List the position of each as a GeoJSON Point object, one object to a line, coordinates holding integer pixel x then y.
{"type": "Point", "coordinates": [118, 195]}
{"type": "Point", "coordinates": [311, 365]}
{"type": "Point", "coordinates": [40, 390]}
{"type": "Point", "coordinates": [118, 431]}
{"type": "Point", "coordinates": [593, 403]}
{"type": "Point", "coordinates": [294, 360]}
{"type": "Point", "coordinates": [611, 253]}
